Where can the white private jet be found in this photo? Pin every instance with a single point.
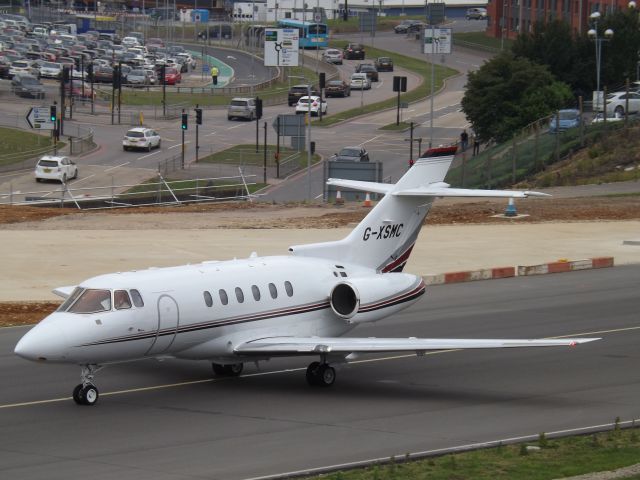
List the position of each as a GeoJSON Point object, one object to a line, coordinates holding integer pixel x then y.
{"type": "Point", "coordinates": [252, 309]}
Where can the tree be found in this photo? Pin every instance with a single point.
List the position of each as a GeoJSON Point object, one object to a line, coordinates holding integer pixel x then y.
{"type": "Point", "coordinates": [507, 93]}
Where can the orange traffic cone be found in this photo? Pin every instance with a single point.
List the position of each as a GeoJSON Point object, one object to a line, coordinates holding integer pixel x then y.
{"type": "Point", "coordinates": [339, 200]}
{"type": "Point", "coordinates": [367, 201]}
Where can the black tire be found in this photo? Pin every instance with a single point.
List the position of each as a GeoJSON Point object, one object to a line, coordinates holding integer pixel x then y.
{"type": "Point", "coordinates": [233, 369]}
{"type": "Point", "coordinates": [229, 117]}
{"type": "Point", "coordinates": [38, 180]}
{"type": "Point", "coordinates": [125, 148]}
{"type": "Point", "coordinates": [312, 373]}
{"type": "Point", "coordinates": [75, 175]}
{"type": "Point", "coordinates": [89, 395]}
{"type": "Point", "coordinates": [326, 375]}
{"type": "Point", "coordinates": [218, 369]}
{"type": "Point", "coordinates": [76, 395]}
{"type": "Point", "coordinates": [619, 110]}
{"type": "Point", "coordinates": [149, 147]}
{"type": "Point", "coordinates": [159, 143]}
{"type": "Point", "coordinates": [64, 178]}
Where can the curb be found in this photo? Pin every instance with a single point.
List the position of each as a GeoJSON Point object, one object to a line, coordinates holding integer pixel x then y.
{"type": "Point", "coordinates": [559, 266]}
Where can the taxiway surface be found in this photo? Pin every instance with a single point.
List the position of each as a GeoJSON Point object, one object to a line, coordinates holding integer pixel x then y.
{"type": "Point", "coordinates": [170, 420]}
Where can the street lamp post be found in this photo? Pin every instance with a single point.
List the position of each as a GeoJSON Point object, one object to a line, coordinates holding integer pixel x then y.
{"type": "Point", "coordinates": [593, 34]}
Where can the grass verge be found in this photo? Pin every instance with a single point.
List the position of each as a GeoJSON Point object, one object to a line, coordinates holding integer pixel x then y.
{"type": "Point", "coordinates": [480, 40]}
{"type": "Point", "coordinates": [18, 145]}
{"type": "Point", "coordinates": [415, 65]}
{"type": "Point", "coordinates": [247, 155]}
{"type": "Point", "coordinates": [554, 459]}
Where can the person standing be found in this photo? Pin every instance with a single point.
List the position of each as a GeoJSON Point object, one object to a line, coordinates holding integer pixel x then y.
{"type": "Point", "coordinates": [464, 140]}
{"type": "Point", "coordinates": [476, 145]}
{"type": "Point", "coordinates": [214, 75]}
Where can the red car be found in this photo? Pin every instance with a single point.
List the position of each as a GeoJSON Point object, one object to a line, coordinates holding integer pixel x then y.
{"type": "Point", "coordinates": [172, 76]}
{"type": "Point", "coordinates": [78, 91]}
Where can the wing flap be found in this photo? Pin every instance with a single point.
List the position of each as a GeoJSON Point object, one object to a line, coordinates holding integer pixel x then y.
{"type": "Point", "coordinates": [311, 345]}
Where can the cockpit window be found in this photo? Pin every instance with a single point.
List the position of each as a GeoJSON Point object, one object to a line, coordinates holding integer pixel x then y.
{"type": "Point", "coordinates": [91, 301]}
{"type": "Point", "coordinates": [137, 298]}
{"type": "Point", "coordinates": [121, 300]}
{"type": "Point", "coordinates": [70, 299]}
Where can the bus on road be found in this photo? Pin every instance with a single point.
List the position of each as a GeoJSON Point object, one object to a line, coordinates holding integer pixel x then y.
{"type": "Point", "coordinates": [312, 34]}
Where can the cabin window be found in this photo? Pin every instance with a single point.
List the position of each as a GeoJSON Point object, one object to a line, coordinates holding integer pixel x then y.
{"type": "Point", "coordinates": [137, 298]}
{"type": "Point", "coordinates": [256, 292]}
{"type": "Point", "coordinates": [288, 288]}
{"type": "Point", "coordinates": [92, 301]}
{"type": "Point", "coordinates": [207, 299]}
{"type": "Point", "coordinates": [335, 274]}
{"type": "Point", "coordinates": [239, 295]}
{"type": "Point", "coordinates": [343, 274]}
{"type": "Point", "coordinates": [223, 297]}
{"type": "Point", "coordinates": [121, 300]}
{"type": "Point", "coordinates": [273, 290]}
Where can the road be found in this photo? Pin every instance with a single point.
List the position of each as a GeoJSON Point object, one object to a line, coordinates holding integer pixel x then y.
{"type": "Point", "coordinates": [169, 420]}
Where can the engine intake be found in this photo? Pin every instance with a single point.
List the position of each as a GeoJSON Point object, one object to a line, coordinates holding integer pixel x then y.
{"type": "Point", "coordinates": [345, 300]}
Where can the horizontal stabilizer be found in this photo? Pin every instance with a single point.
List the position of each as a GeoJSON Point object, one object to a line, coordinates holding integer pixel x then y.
{"type": "Point", "coordinates": [431, 191]}
{"type": "Point", "coordinates": [312, 345]}
{"type": "Point", "coordinates": [371, 187]}
{"type": "Point", "coordinates": [63, 292]}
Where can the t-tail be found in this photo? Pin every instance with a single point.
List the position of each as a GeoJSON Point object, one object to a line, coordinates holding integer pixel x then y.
{"type": "Point", "coordinates": [383, 240]}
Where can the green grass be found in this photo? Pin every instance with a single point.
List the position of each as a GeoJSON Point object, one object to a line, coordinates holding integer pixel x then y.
{"type": "Point", "coordinates": [181, 187]}
{"type": "Point", "coordinates": [557, 458]}
{"type": "Point", "coordinates": [18, 145]}
{"type": "Point", "coordinates": [274, 93]}
{"type": "Point", "coordinates": [419, 66]}
{"type": "Point", "coordinates": [480, 40]}
{"type": "Point", "coordinates": [246, 155]}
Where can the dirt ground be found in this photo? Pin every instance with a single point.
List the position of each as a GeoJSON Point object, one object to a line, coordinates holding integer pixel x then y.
{"type": "Point", "coordinates": [268, 216]}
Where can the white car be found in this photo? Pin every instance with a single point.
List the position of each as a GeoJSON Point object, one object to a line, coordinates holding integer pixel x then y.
{"type": "Point", "coordinates": [22, 66]}
{"type": "Point", "coordinates": [360, 81]}
{"type": "Point", "coordinates": [130, 42]}
{"type": "Point", "coordinates": [50, 70]}
{"type": "Point", "coordinates": [332, 55]}
{"type": "Point", "coordinates": [617, 103]}
{"type": "Point", "coordinates": [52, 167]}
{"type": "Point", "coordinates": [306, 104]}
{"type": "Point", "coordinates": [144, 138]}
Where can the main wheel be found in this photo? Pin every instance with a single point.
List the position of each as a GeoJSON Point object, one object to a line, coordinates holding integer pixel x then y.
{"type": "Point", "coordinates": [234, 369]}
{"type": "Point", "coordinates": [76, 394]}
{"type": "Point", "coordinates": [89, 395]}
{"type": "Point", "coordinates": [218, 369]}
{"type": "Point", "coordinates": [312, 373]}
{"type": "Point", "coordinates": [619, 111]}
{"type": "Point", "coordinates": [326, 375]}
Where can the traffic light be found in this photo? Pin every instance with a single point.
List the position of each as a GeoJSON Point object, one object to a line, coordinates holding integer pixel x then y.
{"type": "Point", "coordinates": [258, 108]}
{"type": "Point", "coordinates": [399, 84]}
{"type": "Point", "coordinates": [116, 77]}
{"type": "Point", "coordinates": [185, 121]}
{"type": "Point", "coordinates": [53, 113]}
{"type": "Point", "coordinates": [198, 116]}
{"type": "Point", "coordinates": [322, 80]}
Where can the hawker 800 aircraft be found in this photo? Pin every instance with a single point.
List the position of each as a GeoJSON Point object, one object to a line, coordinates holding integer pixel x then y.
{"type": "Point", "coordinates": [237, 311]}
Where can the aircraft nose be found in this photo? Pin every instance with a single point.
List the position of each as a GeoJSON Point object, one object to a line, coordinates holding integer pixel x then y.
{"type": "Point", "coordinates": [45, 341]}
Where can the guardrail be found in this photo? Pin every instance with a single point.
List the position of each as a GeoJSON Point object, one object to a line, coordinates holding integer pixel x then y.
{"type": "Point", "coordinates": [162, 192]}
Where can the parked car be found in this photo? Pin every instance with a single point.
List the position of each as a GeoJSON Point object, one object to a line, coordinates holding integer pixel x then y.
{"type": "Point", "coordinates": [354, 51]}
{"type": "Point", "coordinates": [384, 64]}
{"type": "Point", "coordinates": [138, 78]}
{"type": "Point", "coordinates": [59, 168]}
{"type": "Point", "coordinates": [25, 85]}
{"type": "Point", "coordinates": [22, 66]}
{"type": "Point", "coordinates": [139, 137]}
{"type": "Point", "coordinates": [297, 91]}
{"type": "Point", "coordinates": [50, 70]}
{"type": "Point", "coordinates": [599, 118]}
{"type": "Point", "coordinates": [369, 69]}
{"type": "Point", "coordinates": [351, 154]}
{"type": "Point", "coordinates": [172, 76]}
{"type": "Point", "coordinates": [565, 119]}
{"type": "Point", "coordinates": [103, 74]}
{"type": "Point", "coordinates": [408, 26]}
{"type": "Point", "coordinates": [242, 108]}
{"type": "Point", "coordinates": [360, 81]}
{"type": "Point", "coordinates": [332, 55]}
{"type": "Point", "coordinates": [311, 104]}
{"type": "Point", "coordinates": [337, 88]}
{"type": "Point", "coordinates": [80, 89]}
{"type": "Point", "coordinates": [476, 13]}
{"type": "Point", "coordinates": [617, 103]}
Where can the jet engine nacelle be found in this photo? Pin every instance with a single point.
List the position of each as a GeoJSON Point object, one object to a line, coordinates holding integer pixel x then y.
{"type": "Point", "coordinates": [371, 298]}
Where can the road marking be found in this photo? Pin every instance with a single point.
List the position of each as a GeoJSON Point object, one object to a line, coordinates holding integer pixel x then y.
{"type": "Point", "coordinates": [178, 145]}
{"type": "Point", "coordinates": [149, 154]}
{"type": "Point", "coordinates": [209, 134]}
{"type": "Point", "coordinates": [117, 166]}
{"type": "Point", "coordinates": [380, 84]}
{"type": "Point", "coordinates": [84, 178]}
{"type": "Point", "coordinates": [291, 370]}
{"type": "Point", "coordinates": [370, 140]}
{"type": "Point", "coordinates": [235, 126]}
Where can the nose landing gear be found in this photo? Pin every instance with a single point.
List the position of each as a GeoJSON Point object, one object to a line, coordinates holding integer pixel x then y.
{"type": "Point", "coordinates": [87, 393]}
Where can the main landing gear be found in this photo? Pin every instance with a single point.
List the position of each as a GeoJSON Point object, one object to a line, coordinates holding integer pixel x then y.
{"type": "Point", "coordinates": [320, 374]}
{"type": "Point", "coordinates": [86, 393]}
{"type": "Point", "coordinates": [228, 370]}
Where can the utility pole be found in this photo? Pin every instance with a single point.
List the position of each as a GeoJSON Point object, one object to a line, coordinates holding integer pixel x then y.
{"type": "Point", "coordinates": [264, 168]}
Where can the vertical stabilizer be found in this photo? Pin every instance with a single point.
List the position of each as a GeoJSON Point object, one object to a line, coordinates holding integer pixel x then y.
{"type": "Point", "coordinates": [384, 238]}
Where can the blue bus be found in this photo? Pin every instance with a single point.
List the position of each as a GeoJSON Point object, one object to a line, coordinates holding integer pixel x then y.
{"type": "Point", "coordinates": [312, 34]}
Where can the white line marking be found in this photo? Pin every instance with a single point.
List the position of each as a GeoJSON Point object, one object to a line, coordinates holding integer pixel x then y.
{"type": "Point", "coordinates": [370, 140]}
{"type": "Point", "coordinates": [291, 370]}
{"type": "Point", "coordinates": [178, 145]}
{"type": "Point", "coordinates": [117, 166]}
{"type": "Point", "coordinates": [235, 126]}
{"type": "Point", "coordinates": [209, 134]}
{"type": "Point", "coordinates": [149, 154]}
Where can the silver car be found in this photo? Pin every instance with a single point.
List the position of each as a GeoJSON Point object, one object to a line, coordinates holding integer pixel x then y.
{"type": "Point", "coordinates": [332, 55]}
{"type": "Point", "coordinates": [242, 108]}
{"type": "Point", "coordinates": [138, 78]}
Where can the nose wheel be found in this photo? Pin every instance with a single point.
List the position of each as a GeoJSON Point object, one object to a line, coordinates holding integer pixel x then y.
{"type": "Point", "coordinates": [320, 374]}
{"type": "Point", "coordinates": [87, 393]}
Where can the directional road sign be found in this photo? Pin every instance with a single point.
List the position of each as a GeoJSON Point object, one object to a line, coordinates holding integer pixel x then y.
{"type": "Point", "coordinates": [290, 125]}
{"type": "Point", "coordinates": [39, 118]}
{"type": "Point", "coordinates": [281, 47]}
{"type": "Point", "coordinates": [437, 40]}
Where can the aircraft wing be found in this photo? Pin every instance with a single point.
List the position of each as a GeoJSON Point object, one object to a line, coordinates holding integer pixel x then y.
{"type": "Point", "coordinates": [312, 345]}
